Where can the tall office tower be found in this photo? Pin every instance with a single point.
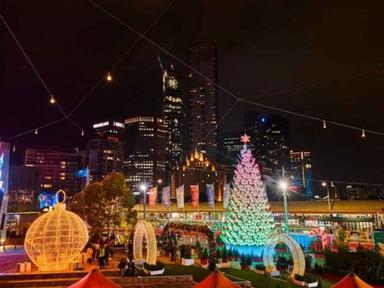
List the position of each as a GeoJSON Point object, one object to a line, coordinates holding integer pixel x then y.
{"type": "Point", "coordinates": [144, 160]}
{"type": "Point", "coordinates": [202, 99]}
{"type": "Point", "coordinates": [270, 141]}
{"type": "Point", "coordinates": [301, 172]}
{"type": "Point", "coordinates": [231, 147]}
{"type": "Point", "coordinates": [173, 119]}
{"type": "Point", "coordinates": [105, 150]}
{"type": "Point", "coordinates": [57, 169]}
{"type": "Point", "coordinates": [4, 176]}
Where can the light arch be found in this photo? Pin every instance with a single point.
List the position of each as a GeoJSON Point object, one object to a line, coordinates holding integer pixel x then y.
{"type": "Point", "coordinates": [294, 248]}
{"type": "Point", "coordinates": [144, 230]}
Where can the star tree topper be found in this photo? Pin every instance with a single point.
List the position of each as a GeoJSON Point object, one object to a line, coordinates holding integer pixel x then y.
{"type": "Point", "coordinates": [245, 138]}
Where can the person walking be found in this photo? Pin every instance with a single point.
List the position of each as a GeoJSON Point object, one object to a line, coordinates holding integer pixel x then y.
{"type": "Point", "coordinates": [102, 257]}
{"type": "Point", "coordinates": [123, 266]}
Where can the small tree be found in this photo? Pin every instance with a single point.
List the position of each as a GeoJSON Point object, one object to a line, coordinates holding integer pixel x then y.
{"type": "Point", "coordinates": [105, 204]}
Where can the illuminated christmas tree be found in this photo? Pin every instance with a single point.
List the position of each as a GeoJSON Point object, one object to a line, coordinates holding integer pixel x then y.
{"type": "Point", "coordinates": [248, 221]}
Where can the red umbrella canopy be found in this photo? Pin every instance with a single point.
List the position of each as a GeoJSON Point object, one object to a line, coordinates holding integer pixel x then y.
{"type": "Point", "coordinates": [94, 279]}
{"type": "Point", "coordinates": [216, 280]}
{"type": "Point", "coordinates": [351, 281]}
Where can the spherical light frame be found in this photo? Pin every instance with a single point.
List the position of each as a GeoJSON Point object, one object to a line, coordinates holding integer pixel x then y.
{"type": "Point", "coordinates": [55, 239]}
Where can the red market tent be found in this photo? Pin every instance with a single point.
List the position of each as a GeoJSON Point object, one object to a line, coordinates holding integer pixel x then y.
{"type": "Point", "coordinates": [351, 281]}
{"type": "Point", "coordinates": [94, 279]}
{"type": "Point", "coordinates": [215, 280]}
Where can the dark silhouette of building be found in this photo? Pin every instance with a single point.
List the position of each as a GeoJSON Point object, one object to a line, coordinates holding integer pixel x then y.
{"type": "Point", "coordinates": [269, 141]}
{"type": "Point", "coordinates": [202, 110]}
{"type": "Point", "coordinates": [144, 151]}
{"type": "Point", "coordinates": [173, 120]}
{"type": "Point", "coordinates": [105, 150]}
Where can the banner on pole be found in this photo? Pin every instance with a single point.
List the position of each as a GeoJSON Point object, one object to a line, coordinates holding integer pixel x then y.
{"type": "Point", "coordinates": [166, 197]}
{"type": "Point", "coordinates": [152, 196]}
{"type": "Point", "coordinates": [194, 195]}
{"type": "Point", "coordinates": [180, 196]}
{"type": "Point", "coordinates": [226, 195]}
{"type": "Point", "coordinates": [211, 195]}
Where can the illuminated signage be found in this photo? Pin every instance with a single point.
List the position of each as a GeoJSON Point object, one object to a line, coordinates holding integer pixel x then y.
{"type": "Point", "coordinates": [118, 124]}
{"type": "Point", "coordinates": [102, 124]}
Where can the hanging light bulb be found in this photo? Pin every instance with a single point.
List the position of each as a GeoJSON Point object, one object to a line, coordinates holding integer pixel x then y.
{"type": "Point", "coordinates": [363, 133]}
{"type": "Point", "coordinates": [14, 149]}
{"type": "Point", "coordinates": [109, 77]}
{"type": "Point", "coordinates": [82, 132]}
{"type": "Point", "coordinates": [52, 100]}
{"type": "Point", "coordinates": [324, 124]}
{"type": "Point", "coordinates": [36, 132]}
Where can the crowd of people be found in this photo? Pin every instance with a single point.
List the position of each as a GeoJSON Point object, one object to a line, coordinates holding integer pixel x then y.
{"type": "Point", "coordinates": [102, 251]}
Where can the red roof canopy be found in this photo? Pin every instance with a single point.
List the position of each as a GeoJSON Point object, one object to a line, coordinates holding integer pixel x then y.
{"type": "Point", "coordinates": [216, 280]}
{"type": "Point", "coordinates": [94, 279]}
{"type": "Point", "coordinates": [351, 281]}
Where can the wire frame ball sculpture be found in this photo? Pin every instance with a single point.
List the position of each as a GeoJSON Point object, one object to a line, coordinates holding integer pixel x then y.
{"type": "Point", "coordinates": [56, 238]}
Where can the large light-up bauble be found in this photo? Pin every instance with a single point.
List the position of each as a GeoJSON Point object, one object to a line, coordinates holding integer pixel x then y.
{"type": "Point", "coordinates": [55, 239]}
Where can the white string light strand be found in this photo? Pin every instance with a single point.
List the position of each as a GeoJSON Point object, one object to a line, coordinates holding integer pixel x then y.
{"type": "Point", "coordinates": [129, 50]}
{"type": "Point", "coordinates": [54, 101]}
{"type": "Point", "coordinates": [273, 108]}
{"type": "Point", "coordinates": [126, 53]}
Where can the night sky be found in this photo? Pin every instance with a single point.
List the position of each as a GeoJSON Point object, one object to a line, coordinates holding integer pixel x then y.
{"type": "Point", "coordinates": [333, 50]}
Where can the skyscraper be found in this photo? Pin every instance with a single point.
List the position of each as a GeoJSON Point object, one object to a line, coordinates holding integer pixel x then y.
{"type": "Point", "coordinates": [231, 147]}
{"type": "Point", "coordinates": [202, 99]}
{"type": "Point", "coordinates": [301, 172]}
{"type": "Point", "coordinates": [105, 150]}
{"type": "Point", "coordinates": [173, 119]}
{"type": "Point", "coordinates": [269, 140]}
{"type": "Point", "coordinates": [144, 151]}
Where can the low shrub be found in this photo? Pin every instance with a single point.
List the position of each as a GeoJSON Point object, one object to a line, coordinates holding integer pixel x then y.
{"type": "Point", "coordinates": [158, 266]}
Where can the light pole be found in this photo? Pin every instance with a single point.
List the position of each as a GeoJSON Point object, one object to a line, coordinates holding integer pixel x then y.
{"type": "Point", "coordinates": [324, 184]}
{"type": "Point", "coordinates": [143, 187]}
{"type": "Point", "coordinates": [283, 184]}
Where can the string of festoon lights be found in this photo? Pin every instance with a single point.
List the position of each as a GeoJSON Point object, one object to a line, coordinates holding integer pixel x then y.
{"type": "Point", "coordinates": [237, 99]}
{"type": "Point", "coordinates": [106, 77]}
{"type": "Point", "coordinates": [109, 78]}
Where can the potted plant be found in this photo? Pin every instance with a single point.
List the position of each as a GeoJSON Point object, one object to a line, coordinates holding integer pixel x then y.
{"type": "Point", "coordinates": [157, 269]}
{"type": "Point", "coordinates": [243, 262]}
{"type": "Point", "coordinates": [224, 255]}
{"type": "Point", "coordinates": [204, 257]}
{"type": "Point", "coordinates": [187, 259]}
{"type": "Point", "coordinates": [299, 280]}
{"type": "Point", "coordinates": [260, 269]}
{"type": "Point", "coordinates": [219, 256]}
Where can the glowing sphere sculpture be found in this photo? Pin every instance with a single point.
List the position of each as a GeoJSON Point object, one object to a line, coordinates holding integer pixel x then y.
{"type": "Point", "coordinates": [56, 238]}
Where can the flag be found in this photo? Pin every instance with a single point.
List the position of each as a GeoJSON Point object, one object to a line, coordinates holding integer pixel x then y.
{"type": "Point", "coordinates": [211, 195]}
{"type": "Point", "coordinates": [194, 195]}
{"type": "Point", "coordinates": [152, 196]}
{"type": "Point", "coordinates": [226, 195]}
{"type": "Point", "coordinates": [166, 197]}
{"type": "Point", "coordinates": [180, 196]}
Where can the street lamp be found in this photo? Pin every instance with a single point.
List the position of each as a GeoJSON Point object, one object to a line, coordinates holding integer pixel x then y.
{"type": "Point", "coordinates": [159, 181]}
{"type": "Point", "coordinates": [324, 184]}
{"type": "Point", "coordinates": [143, 187]}
{"type": "Point", "coordinates": [283, 185]}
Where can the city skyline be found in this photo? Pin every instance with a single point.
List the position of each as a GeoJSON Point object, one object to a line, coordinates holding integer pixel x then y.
{"type": "Point", "coordinates": [334, 83]}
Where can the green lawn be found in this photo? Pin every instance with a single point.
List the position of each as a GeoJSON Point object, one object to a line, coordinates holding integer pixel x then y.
{"type": "Point", "coordinates": [258, 281]}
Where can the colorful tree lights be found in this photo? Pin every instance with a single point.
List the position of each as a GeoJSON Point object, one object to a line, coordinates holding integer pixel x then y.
{"type": "Point", "coordinates": [248, 221]}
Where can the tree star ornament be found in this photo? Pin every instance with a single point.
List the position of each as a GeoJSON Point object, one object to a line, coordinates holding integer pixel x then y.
{"type": "Point", "coordinates": [245, 138]}
{"type": "Point", "coordinates": [56, 238]}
